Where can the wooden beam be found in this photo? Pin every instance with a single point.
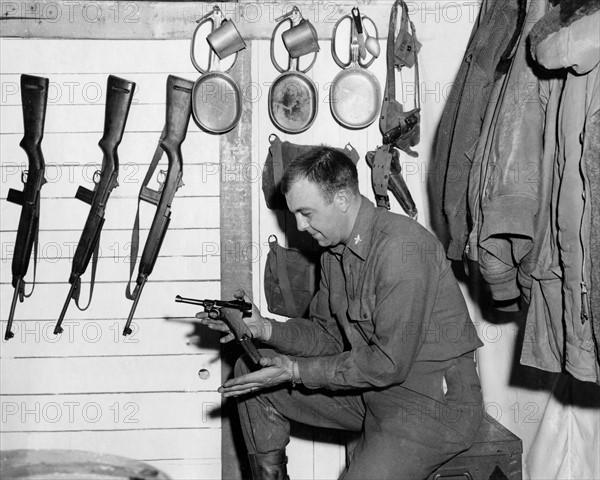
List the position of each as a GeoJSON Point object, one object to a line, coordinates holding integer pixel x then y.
{"type": "Point", "coordinates": [138, 20]}
{"type": "Point", "coordinates": [236, 257]}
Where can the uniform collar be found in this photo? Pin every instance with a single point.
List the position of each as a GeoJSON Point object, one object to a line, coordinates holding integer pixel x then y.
{"type": "Point", "coordinates": [360, 238]}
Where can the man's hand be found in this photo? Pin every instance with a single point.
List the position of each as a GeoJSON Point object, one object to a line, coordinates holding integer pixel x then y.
{"type": "Point", "coordinates": [258, 325]}
{"type": "Point", "coordinates": [275, 370]}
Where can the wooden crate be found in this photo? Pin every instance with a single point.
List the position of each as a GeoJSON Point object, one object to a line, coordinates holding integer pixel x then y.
{"type": "Point", "coordinates": [495, 455]}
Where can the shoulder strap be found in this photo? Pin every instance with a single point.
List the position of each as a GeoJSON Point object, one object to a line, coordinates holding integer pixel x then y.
{"type": "Point", "coordinates": [135, 233]}
{"type": "Point", "coordinates": [390, 83]}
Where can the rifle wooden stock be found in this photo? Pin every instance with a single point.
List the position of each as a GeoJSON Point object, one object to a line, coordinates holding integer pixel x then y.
{"type": "Point", "coordinates": [178, 113]}
{"type": "Point", "coordinates": [34, 99]}
{"type": "Point", "coordinates": [119, 95]}
{"type": "Point", "coordinates": [179, 108]}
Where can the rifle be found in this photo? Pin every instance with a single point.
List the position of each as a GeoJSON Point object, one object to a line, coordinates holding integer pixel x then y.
{"type": "Point", "coordinates": [119, 94]}
{"type": "Point", "coordinates": [178, 112]}
{"type": "Point", "coordinates": [34, 99]}
{"type": "Point", "coordinates": [238, 327]}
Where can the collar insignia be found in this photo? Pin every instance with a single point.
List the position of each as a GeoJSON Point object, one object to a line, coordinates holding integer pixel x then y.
{"type": "Point", "coordinates": [357, 239]}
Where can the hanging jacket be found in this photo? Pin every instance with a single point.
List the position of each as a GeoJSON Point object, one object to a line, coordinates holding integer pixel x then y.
{"type": "Point", "coordinates": [559, 316]}
{"type": "Point", "coordinates": [503, 193]}
{"type": "Point", "coordinates": [485, 59]}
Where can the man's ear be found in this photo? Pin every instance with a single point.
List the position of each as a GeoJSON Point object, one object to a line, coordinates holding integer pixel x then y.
{"type": "Point", "coordinates": [343, 199]}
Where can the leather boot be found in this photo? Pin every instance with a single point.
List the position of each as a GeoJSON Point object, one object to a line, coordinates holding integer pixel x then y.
{"type": "Point", "coordinates": [269, 466]}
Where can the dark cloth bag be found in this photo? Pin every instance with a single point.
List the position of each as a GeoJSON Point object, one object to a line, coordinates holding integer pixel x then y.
{"type": "Point", "coordinates": [280, 154]}
{"type": "Point", "coordinates": [291, 280]}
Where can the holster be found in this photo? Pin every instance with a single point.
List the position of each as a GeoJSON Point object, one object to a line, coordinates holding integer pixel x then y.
{"type": "Point", "coordinates": [400, 129]}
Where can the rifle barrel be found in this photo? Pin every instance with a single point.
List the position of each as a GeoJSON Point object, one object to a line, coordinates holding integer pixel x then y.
{"type": "Point", "coordinates": [127, 329]}
{"type": "Point", "coordinates": [9, 334]}
{"type": "Point", "coordinates": [58, 328]}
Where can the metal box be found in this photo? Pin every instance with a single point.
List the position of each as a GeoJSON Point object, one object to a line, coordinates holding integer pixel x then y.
{"type": "Point", "coordinates": [495, 455]}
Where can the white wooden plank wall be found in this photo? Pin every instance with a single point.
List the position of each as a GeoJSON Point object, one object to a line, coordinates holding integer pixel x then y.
{"type": "Point", "coordinates": [91, 388]}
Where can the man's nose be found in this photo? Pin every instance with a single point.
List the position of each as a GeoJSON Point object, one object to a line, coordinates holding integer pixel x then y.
{"type": "Point", "coordinates": [301, 222]}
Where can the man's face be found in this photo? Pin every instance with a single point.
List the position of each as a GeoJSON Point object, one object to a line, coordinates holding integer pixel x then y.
{"type": "Point", "coordinates": [324, 220]}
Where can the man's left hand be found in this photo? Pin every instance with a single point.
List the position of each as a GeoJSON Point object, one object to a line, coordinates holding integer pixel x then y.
{"type": "Point", "coordinates": [275, 370]}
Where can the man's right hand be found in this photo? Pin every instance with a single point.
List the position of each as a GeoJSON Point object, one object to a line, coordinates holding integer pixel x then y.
{"type": "Point", "coordinates": [258, 325]}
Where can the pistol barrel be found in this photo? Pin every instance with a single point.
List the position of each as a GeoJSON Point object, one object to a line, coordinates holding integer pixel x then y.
{"type": "Point", "coordinates": [192, 301]}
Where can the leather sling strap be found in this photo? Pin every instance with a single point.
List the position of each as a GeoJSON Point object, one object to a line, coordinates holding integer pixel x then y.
{"type": "Point", "coordinates": [390, 82]}
{"type": "Point", "coordinates": [35, 254]}
{"type": "Point", "coordinates": [92, 279]}
{"type": "Point", "coordinates": [135, 233]}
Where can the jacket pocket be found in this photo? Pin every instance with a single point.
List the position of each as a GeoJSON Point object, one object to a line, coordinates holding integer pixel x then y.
{"type": "Point", "coordinates": [361, 309]}
{"type": "Point", "coordinates": [452, 385]}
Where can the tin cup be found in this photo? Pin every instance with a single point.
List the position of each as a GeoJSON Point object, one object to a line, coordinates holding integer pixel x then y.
{"type": "Point", "coordinates": [301, 39]}
{"type": "Point", "coordinates": [226, 39]}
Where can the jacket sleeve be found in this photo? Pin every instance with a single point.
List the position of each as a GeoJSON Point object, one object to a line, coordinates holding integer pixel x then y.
{"type": "Point", "coordinates": [405, 292]}
{"type": "Point", "coordinates": [576, 46]}
{"type": "Point", "coordinates": [317, 335]}
{"type": "Point", "coordinates": [511, 175]}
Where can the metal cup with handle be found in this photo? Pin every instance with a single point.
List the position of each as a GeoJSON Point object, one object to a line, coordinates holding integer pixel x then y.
{"type": "Point", "coordinates": [301, 39]}
{"type": "Point", "coordinates": [216, 97]}
{"type": "Point", "coordinates": [293, 96]}
{"type": "Point", "coordinates": [226, 40]}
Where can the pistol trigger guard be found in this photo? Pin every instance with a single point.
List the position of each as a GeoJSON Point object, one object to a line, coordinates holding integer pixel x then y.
{"type": "Point", "coordinates": [24, 174]}
{"type": "Point", "coordinates": [161, 178]}
{"type": "Point", "coordinates": [97, 177]}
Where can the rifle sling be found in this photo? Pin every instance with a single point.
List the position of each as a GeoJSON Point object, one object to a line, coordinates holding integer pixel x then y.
{"type": "Point", "coordinates": [35, 254]}
{"type": "Point", "coordinates": [92, 279]}
{"type": "Point", "coordinates": [135, 233]}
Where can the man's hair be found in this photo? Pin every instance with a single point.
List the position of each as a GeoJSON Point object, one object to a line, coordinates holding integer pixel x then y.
{"type": "Point", "coordinates": [330, 169]}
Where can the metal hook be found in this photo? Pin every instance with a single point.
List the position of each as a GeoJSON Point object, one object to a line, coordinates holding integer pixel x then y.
{"type": "Point", "coordinates": [215, 11]}
{"type": "Point", "coordinates": [295, 13]}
